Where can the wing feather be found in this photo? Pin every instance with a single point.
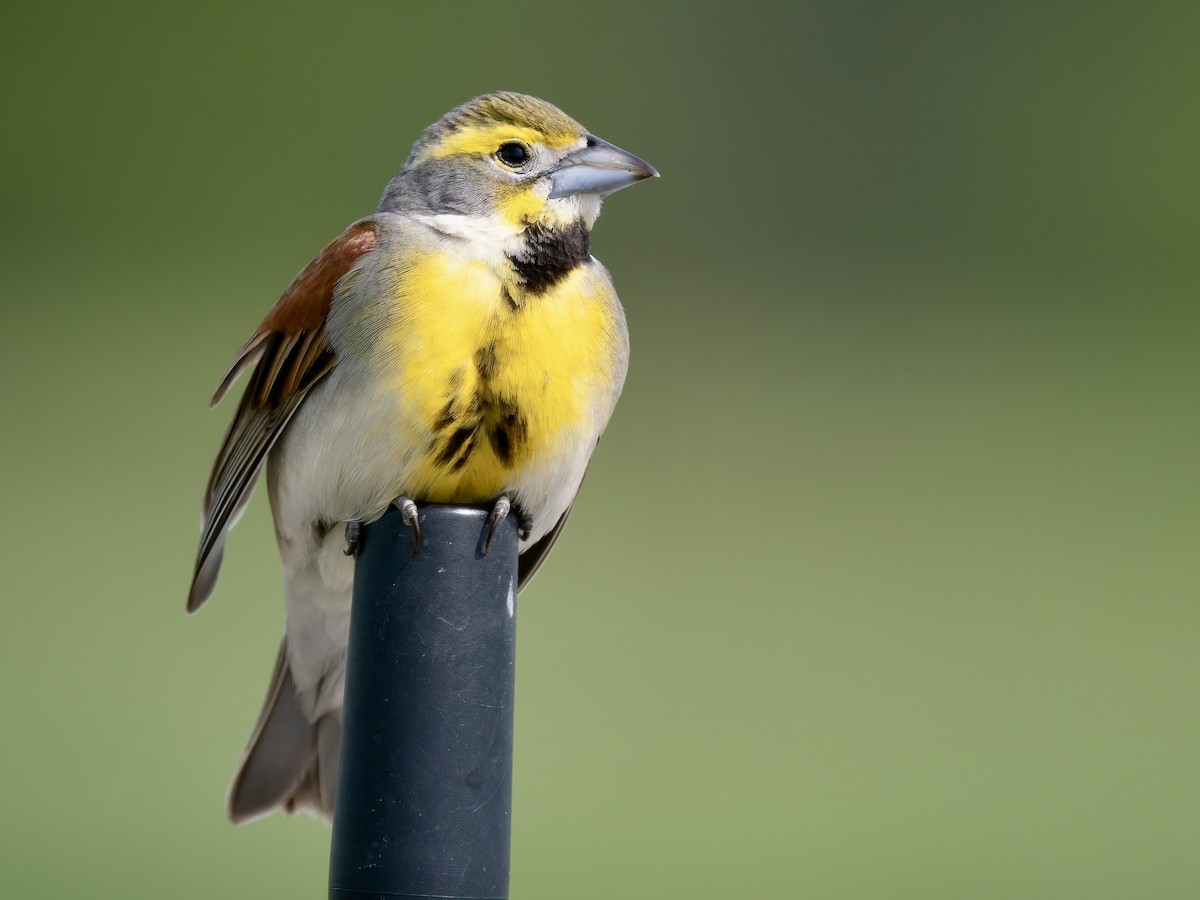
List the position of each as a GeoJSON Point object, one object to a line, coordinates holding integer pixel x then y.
{"type": "Point", "coordinates": [290, 353]}
{"type": "Point", "coordinates": [531, 560]}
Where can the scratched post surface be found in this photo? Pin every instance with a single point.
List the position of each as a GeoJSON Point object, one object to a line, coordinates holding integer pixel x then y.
{"type": "Point", "coordinates": [425, 785]}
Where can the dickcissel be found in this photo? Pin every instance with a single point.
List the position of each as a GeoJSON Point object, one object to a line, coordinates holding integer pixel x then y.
{"type": "Point", "coordinates": [461, 345]}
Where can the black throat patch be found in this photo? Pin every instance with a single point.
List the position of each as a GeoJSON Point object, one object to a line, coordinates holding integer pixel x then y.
{"type": "Point", "coordinates": [551, 254]}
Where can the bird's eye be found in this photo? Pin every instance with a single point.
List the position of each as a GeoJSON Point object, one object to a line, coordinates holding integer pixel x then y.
{"type": "Point", "coordinates": [513, 154]}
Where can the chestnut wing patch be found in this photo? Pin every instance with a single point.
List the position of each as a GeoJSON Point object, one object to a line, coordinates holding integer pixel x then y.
{"type": "Point", "coordinates": [290, 353]}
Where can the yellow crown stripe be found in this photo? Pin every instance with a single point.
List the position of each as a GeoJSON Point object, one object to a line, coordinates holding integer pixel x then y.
{"type": "Point", "coordinates": [478, 140]}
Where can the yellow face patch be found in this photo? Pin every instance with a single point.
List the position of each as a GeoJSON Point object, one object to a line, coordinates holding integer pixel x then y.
{"type": "Point", "coordinates": [522, 205]}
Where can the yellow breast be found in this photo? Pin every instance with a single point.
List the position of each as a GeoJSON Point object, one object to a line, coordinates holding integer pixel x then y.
{"type": "Point", "coordinates": [489, 385]}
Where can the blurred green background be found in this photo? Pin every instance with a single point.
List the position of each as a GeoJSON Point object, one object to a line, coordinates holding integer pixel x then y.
{"type": "Point", "coordinates": [884, 582]}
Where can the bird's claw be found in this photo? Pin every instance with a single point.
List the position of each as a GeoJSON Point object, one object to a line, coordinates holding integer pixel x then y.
{"type": "Point", "coordinates": [408, 512]}
{"type": "Point", "coordinates": [353, 537]}
{"type": "Point", "coordinates": [524, 524]}
{"type": "Point", "coordinates": [500, 512]}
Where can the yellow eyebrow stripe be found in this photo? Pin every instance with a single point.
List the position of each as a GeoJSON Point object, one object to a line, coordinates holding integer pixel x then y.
{"type": "Point", "coordinates": [483, 140]}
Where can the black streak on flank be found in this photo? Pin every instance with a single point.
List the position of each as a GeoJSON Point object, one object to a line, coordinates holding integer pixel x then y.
{"type": "Point", "coordinates": [550, 254]}
{"type": "Point", "coordinates": [487, 364]}
{"type": "Point", "coordinates": [458, 431]}
{"type": "Point", "coordinates": [501, 444]}
{"type": "Point", "coordinates": [449, 413]}
{"type": "Point", "coordinates": [508, 435]}
{"type": "Point", "coordinates": [446, 417]}
{"type": "Point", "coordinates": [455, 443]}
{"type": "Point", "coordinates": [468, 449]}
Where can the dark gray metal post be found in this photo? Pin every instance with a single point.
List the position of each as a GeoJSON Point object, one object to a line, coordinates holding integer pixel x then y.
{"type": "Point", "coordinates": [425, 786]}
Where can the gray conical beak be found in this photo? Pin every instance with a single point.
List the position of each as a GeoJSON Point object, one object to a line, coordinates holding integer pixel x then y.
{"type": "Point", "coordinates": [599, 168]}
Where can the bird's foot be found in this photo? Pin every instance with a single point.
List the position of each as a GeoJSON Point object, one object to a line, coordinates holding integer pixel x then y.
{"type": "Point", "coordinates": [408, 512]}
{"type": "Point", "coordinates": [499, 513]}
{"type": "Point", "coordinates": [504, 506]}
{"type": "Point", "coordinates": [353, 537]}
{"type": "Point", "coordinates": [524, 523]}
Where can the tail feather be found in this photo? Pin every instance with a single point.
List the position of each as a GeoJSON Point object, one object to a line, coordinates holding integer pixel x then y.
{"type": "Point", "coordinates": [289, 762]}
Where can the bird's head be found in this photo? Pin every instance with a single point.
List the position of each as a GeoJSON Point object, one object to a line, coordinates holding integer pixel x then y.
{"type": "Point", "coordinates": [514, 161]}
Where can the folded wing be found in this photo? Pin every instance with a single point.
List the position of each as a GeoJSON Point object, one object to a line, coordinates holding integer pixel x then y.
{"type": "Point", "coordinates": [292, 355]}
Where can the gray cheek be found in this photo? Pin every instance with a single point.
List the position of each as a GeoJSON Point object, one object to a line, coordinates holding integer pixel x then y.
{"type": "Point", "coordinates": [438, 186]}
{"type": "Point", "coordinates": [457, 189]}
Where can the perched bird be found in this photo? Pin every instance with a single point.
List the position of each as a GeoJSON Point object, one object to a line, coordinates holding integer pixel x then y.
{"type": "Point", "coordinates": [461, 345]}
